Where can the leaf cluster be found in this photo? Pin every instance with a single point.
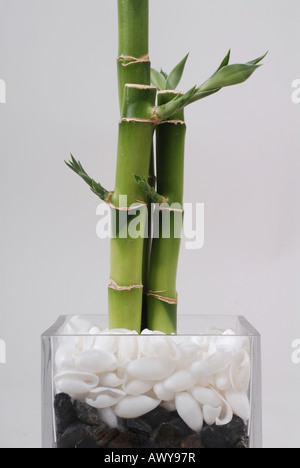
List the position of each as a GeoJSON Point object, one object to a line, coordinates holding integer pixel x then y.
{"type": "Point", "coordinates": [226, 75]}
{"type": "Point", "coordinates": [95, 187]}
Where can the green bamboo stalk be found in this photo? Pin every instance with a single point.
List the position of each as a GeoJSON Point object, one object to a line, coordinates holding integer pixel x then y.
{"type": "Point", "coordinates": [134, 67]}
{"type": "Point", "coordinates": [170, 149]}
{"type": "Point", "coordinates": [133, 61]}
{"type": "Point", "coordinates": [128, 267]}
{"type": "Point", "coordinates": [148, 244]}
{"type": "Point", "coordinates": [134, 154]}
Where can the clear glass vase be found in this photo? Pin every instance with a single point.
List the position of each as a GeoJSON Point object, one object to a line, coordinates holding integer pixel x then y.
{"type": "Point", "coordinates": [116, 389]}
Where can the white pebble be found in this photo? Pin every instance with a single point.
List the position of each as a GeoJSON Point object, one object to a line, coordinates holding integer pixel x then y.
{"type": "Point", "coordinates": [108, 416]}
{"type": "Point", "coordinates": [222, 381]}
{"type": "Point", "coordinates": [75, 382]}
{"type": "Point", "coordinates": [135, 406]}
{"type": "Point", "coordinates": [165, 348]}
{"type": "Point", "coordinates": [109, 379]}
{"type": "Point", "coordinates": [127, 349]}
{"type": "Point", "coordinates": [97, 361]}
{"type": "Point", "coordinates": [180, 381]}
{"type": "Point", "coordinates": [87, 343]}
{"type": "Point", "coordinates": [190, 350]}
{"type": "Point", "coordinates": [169, 406]}
{"type": "Point", "coordinates": [162, 393]}
{"type": "Point", "coordinates": [158, 346]}
{"type": "Point", "coordinates": [95, 331]}
{"type": "Point", "coordinates": [64, 357]}
{"type": "Point", "coordinates": [120, 331]}
{"type": "Point", "coordinates": [240, 371]}
{"type": "Point", "coordinates": [77, 325]}
{"type": "Point", "coordinates": [106, 343]}
{"type": "Point", "coordinates": [210, 415]}
{"type": "Point", "coordinates": [189, 410]}
{"type": "Point", "coordinates": [104, 397]}
{"type": "Point", "coordinates": [216, 363]}
{"type": "Point", "coordinates": [206, 396]}
{"type": "Point", "coordinates": [151, 369]}
{"type": "Point", "coordinates": [239, 403]}
{"type": "Point", "coordinates": [226, 414]}
{"type": "Point", "coordinates": [138, 387]}
{"type": "Point", "coordinates": [206, 381]}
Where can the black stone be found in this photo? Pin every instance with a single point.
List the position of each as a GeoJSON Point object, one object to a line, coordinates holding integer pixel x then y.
{"type": "Point", "coordinates": [166, 436]}
{"type": "Point", "coordinates": [139, 427]}
{"type": "Point", "coordinates": [232, 435]}
{"type": "Point", "coordinates": [182, 427]}
{"type": "Point", "coordinates": [100, 432]}
{"type": "Point", "coordinates": [243, 443]}
{"type": "Point", "coordinates": [87, 443]}
{"type": "Point", "coordinates": [74, 435]}
{"type": "Point", "coordinates": [79, 426]}
{"type": "Point", "coordinates": [141, 441]}
{"type": "Point", "coordinates": [64, 412]}
{"type": "Point", "coordinates": [87, 414]}
{"type": "Point", "coordinates": [157, 416]}
{"type": "Point", "coordinates": [123, 440]}
{"type": "Point", "coordinates": [193, 441]}
{"type": "Point", "coordinates": [215, 437]}
{"type": "Point", "coordinates": [107, 438]}
{"type": "Point", "coordinates": [236, 431]}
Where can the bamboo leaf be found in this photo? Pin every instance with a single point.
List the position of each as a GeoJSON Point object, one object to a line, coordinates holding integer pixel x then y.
{"type": "Point", "coordinates": [149, 191]}
{"type": "Point", "coordinates": [225, 62]}
{"type": "Point", "coordinates": [177, 104]}
{"type": "Point", "coordinates": [258, 60]}
{"type": "Point", "coordinates": [158, 80]}
{"type": "Point", "coordinates": [164, 74]}
{"type": "Point", "coordinates": [229, 76]}
{"type": "Point", "coordinates": [226, 75]}
{"type": "Point", "coordinates": [176, 74]}
{"type": "Point", "coordinates": [203, 94]}
{"type": "Point", "coordinates": [96, 188]}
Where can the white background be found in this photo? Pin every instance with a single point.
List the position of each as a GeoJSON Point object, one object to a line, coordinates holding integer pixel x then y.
{"type": "Point", "coordinates": [58, 60]}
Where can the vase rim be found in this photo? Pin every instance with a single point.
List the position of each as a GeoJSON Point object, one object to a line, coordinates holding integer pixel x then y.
{"type": "Point", "coordinates": [205, 325]}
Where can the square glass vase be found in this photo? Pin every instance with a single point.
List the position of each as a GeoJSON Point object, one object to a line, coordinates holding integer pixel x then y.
{"type": "Point", "coordinates": [200, 388]}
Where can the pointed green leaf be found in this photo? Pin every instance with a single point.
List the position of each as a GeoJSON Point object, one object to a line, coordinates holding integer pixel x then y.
{"type": "Point", "coordinates": [164, 74]}
{"type": "Point", "coordinates": [176, 75]}
{"type": "Point", "coordinates": [225, 61]}
{"type": "Point", "coordinates": [178, 103]}
{"type": "Point", "coordinates": [203, 94]}
{"type": "Point", "coordinates": [149, 191]}
{"type": "Point", "coordinates": [229, 76]}
{"type": "Point", "coordinates": [96, 188]}
{"type": "Point", "coordinates": [158, 80]}
{"type": "Point", "coordinates": [258, 60]}
{"type": "Point", "coordinates": [226, 75]}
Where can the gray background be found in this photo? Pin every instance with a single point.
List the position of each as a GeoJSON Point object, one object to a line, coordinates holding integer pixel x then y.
{"type": "Point", "coordinates": [58, 60]}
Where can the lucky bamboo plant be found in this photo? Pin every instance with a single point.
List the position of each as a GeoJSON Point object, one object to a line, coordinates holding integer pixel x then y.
{"type": "Point", "coordinates": [143, 271]}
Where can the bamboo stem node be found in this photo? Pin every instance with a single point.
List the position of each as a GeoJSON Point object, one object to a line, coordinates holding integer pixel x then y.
{"type": "Point", "coordinates": [136, 206]}
{"type": "Point", "coordinates": [165, 207]}
{"type": "Point", "coordinates": [133, 60]}
{"type": "Point", "coordinates": [130, 120]}
{"type": "Point", "coordinates": [113, 285]}
{"type": "Point", "coordinates": [167, 300]}
{"type": "Point", "coordinates": [173, 122]}
{"type": "Point", "coordinates": [109, 197]}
